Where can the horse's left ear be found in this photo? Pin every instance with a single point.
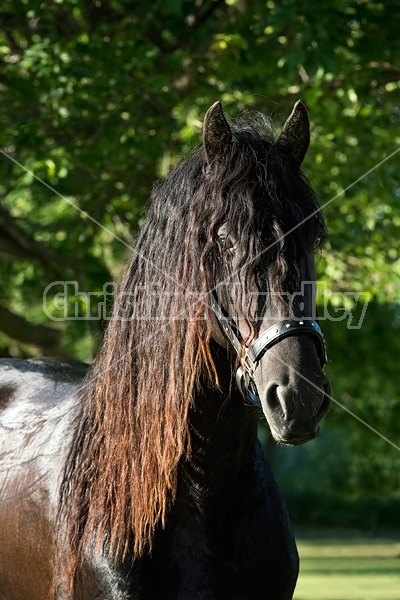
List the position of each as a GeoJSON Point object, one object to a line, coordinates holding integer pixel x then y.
{"type": "Point", "coordinates": [295, 135]}
{"type": "Point", "coordinates": [217, 135]}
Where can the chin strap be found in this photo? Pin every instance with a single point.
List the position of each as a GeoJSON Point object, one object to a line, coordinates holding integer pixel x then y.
{"type": "Point", "coordinates": [250, 356]}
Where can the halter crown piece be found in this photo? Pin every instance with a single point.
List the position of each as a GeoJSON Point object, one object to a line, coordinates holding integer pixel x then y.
{"type": "Point", "coordinates": [250, 356]}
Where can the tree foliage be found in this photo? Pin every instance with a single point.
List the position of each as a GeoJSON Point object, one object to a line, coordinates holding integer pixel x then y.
{"type": "Point", "coordinates": [99, 98]}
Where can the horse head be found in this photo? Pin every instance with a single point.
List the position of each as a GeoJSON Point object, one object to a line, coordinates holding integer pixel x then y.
{"type": "Point", "coordinates": [266, 228]}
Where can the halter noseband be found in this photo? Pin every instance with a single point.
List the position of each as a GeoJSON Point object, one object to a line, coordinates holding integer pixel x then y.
{"type": "Point", "coordinates": [251, 355]}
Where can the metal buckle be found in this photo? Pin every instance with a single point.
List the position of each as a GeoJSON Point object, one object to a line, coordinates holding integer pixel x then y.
{"type": "Point", "coordinates": [245, 379]}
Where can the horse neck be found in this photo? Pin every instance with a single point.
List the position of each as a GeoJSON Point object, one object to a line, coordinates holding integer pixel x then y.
{"type": "Point", "coordinates": [223, 435]}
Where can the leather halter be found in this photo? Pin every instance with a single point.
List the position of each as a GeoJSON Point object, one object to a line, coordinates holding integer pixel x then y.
{"type": "Point", "coordinates": [250, 356]}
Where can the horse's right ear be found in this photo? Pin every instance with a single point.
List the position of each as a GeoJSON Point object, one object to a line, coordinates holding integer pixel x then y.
{"type": "Point", "coordinates": [217, 135]}
{"type": "Point", "coordinates": [295, 136]}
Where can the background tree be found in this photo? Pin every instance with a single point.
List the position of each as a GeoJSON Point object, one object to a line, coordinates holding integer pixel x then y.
{"type": "Point", "coordinates": [99, 98]}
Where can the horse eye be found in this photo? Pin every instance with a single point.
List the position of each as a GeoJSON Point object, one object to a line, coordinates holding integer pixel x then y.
{"type": "Point", "coordinates": [227, 243]}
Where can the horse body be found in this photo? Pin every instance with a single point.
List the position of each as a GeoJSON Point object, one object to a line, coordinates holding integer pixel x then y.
{"type": "Point", "coordinates": [34, 420]}
{"type": "Point", "coordinates": [227, 534]}
{"type": "Point", "coordinates": [143, 479]}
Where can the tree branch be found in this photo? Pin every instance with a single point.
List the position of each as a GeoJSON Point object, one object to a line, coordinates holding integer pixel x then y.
{"type": "Point", "coordinates": [49, 341]}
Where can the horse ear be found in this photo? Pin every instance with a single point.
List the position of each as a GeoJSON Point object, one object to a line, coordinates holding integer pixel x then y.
{"type": "Point", "coordinates": [295, 135]}
{"type": "Point", "coordinates": [217, 135]}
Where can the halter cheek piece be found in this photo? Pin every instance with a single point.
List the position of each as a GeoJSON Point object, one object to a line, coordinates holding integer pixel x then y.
{"type": "Point", "coordinates": [251, 355]}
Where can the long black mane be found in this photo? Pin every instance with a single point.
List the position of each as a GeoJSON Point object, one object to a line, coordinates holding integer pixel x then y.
{"type": "Point", "coordinates": [157, 350]}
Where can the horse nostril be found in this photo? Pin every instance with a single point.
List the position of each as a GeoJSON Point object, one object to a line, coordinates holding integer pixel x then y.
{"type": "Point", "coordinates": [281, 399]}
{"type": "Point", "coordinates": [272, 396]}
{"type": "Point", "coordinates": [301, 399]}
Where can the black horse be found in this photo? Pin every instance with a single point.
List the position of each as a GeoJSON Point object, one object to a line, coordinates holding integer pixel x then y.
{"type": "Point", "coordinates": [143, 478]}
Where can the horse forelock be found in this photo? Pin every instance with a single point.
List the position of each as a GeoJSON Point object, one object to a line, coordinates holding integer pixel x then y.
{"type": "Point", "coordinates": [121, 474]}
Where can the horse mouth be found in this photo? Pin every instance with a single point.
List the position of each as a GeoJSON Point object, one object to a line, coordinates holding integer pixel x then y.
{"type": "Point", "coordinates": [293, 439]}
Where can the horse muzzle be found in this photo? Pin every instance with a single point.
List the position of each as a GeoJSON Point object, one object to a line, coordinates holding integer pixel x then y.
{"type": "Point", "coordinates": [294, 411]}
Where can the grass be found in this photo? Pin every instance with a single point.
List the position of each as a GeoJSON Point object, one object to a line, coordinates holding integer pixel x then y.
{"type": "Point", "coordinates": [347, 565]}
